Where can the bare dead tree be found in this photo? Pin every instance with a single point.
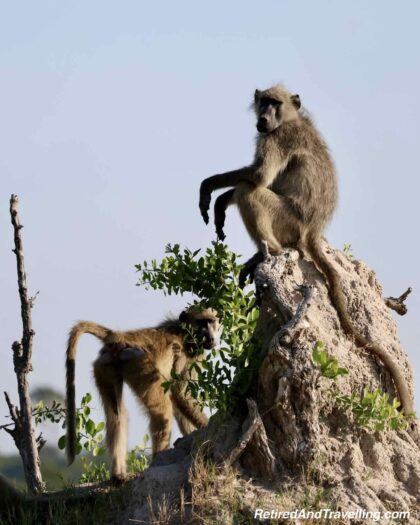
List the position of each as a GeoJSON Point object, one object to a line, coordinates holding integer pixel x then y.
{"type": "Point", "coordinates": [22, 431]}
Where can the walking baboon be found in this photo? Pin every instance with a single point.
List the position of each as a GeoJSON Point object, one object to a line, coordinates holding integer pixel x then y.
{"type": "Point", "coordinates": [143, 359]}
{"type": "Point", "coordinates": [287, 196]}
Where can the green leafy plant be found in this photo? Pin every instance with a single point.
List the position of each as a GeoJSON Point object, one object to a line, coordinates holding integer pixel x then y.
{"type": "Point", "coordinates": [212, 278]}
{"type": "Point", "coordinates": [137, 458]}
{"type": "Point", "coordinates": [329, 365]}
{"type": "Point", "coordinates": [89, 435]}
{"type": "Point", "coordinates": [348, 251]}
{"type": "Point", "coordinates": [42, 412]}
{"type": "Point", "coordinates": [374, 411]}
{"type": "Point", "coordinates": [93, 471]}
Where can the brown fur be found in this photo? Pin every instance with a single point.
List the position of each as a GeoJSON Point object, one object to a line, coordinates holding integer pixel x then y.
{"type": "Point", "coordinates": [143, 359]}
{"type": "Point", "coordinates": [287, 196]}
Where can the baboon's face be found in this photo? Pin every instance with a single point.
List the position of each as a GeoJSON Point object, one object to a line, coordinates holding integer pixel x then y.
{"type": "Point", "coordinates": [273, 107]}
{"type": "Point", "coordinates": [205, 325]}
{"type": "Point", "coordinates": [269, 113]}
{"type": "Point", "coordinates": [208, 331]}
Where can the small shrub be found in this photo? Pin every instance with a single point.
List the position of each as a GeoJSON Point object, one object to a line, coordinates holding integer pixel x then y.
{"type": "Point", "coordinates": [373, 410]}
{"type": "Point", "coordinates": [89, 438]}
{"type": "Point", "coordinates": [137, 458]}
{"type": "Point", "coordinates": [93, 471]}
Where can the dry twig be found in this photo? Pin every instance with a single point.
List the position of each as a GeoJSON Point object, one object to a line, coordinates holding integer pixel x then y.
{"type": "Point", "coordinates": [397, 303]}
{"type": "Point", "coordinates": [255, 440]}
{"type": "Point", "coordinates": [22, 432]}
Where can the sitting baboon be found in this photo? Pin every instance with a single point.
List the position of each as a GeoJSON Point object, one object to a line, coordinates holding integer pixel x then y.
{"type": "Point", "coordinates": [144, 359]}
{"type": "Point", "coordinates": [286, 198]}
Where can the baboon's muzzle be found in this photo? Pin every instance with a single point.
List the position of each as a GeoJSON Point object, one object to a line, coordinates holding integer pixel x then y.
{"type": "Point", "coordinates": [262, 125]}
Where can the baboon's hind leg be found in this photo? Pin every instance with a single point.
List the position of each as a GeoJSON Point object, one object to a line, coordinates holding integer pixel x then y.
{"type": "Point", "coordinates": [110, 386]}
{"type": "Point", "coordinates": [259, 209]}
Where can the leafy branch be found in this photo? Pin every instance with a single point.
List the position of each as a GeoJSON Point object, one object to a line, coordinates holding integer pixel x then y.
{"type": "Point", "coordinates": [213, 280]}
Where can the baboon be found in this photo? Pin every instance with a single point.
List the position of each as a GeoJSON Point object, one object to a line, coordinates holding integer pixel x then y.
{"type": "Point", "coordinates": [143, 359]}
{"type": "Point", "coordinates": [286, 198]}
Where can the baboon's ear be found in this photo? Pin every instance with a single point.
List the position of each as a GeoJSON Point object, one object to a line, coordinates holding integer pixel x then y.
{"type": "Point", "coordinates": [183, 317]}
{"type": "Point", "coordinates": [296, 101]}
{"type": "Point", "coordinates": [257, 95]}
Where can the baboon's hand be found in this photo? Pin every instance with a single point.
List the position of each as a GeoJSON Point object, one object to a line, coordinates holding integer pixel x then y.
{"type": "Point", "coordinates": [205, 199]}
{"type": "Point", "coordinates": [220, 217]}
{"type": "Point", "coordinates": [220, 233]}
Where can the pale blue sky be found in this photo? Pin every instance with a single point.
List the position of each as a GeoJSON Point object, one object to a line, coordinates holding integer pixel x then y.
{"type": "Point", "coordinates": [112, 113]}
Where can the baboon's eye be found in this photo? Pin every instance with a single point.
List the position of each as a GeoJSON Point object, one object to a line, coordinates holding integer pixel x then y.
{"type": "Point", "coordinates": [271, 101]}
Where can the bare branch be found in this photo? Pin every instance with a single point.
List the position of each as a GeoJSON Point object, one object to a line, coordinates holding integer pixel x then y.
{"type": "Point", "coordinates": [40, 442]}
{"type": "Point", "coordinates": [289, 330]}
{"type": "Point", "coordinates": [397, 303]}
{"type": "Point", "coordinates": [25, 301]}
{"type": "Point", "coordinates": [14, 413]}
{"type": "Point", "coordinates": [255, 440]}
{"type": "Point", "coordinates": [243, 442]}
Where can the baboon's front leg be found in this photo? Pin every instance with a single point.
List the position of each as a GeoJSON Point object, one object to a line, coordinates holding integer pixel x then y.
{"type": "Point", "coordinates": [220, 206]}
{"type": "Point", "coordinates": [158, 403]}
{"type": "Point", "coordinates": [216, 182]}
{"type": "Point", "coordinates": [161, 425]}
{"type": "Point", "coordinates": [184, 424]}
{"type": "Point", "coordinates": [187, 406]}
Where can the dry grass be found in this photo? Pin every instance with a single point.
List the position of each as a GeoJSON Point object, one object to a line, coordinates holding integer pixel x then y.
{"type": "Point", "coordinates": [163, 512]}
{"type": "Point", "coordinates": [221, 497]}
{"type": "Point", "coordinates": [218, 496]}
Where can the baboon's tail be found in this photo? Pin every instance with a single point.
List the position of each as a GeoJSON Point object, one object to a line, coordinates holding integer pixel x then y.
{"type": "Point", "coordinates": [339, 302]}
{"type": "Point", "coordinates": [84, 327]}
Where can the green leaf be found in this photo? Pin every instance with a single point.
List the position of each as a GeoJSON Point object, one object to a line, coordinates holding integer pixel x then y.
{"type": "Point", "coordinates": [90, 427]}
{"type": "Point", "coordinates": [62, 442]}
{"type": "Point", "coordinates": [87, 398]}
{"type": "Point", "coordinates": [329, 365]}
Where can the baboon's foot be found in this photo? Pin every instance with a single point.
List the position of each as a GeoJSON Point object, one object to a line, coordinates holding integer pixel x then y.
{"type": "Point", "coordinates": [249, 267]}
{"type": "Point", "coordinates": [119, 479]}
